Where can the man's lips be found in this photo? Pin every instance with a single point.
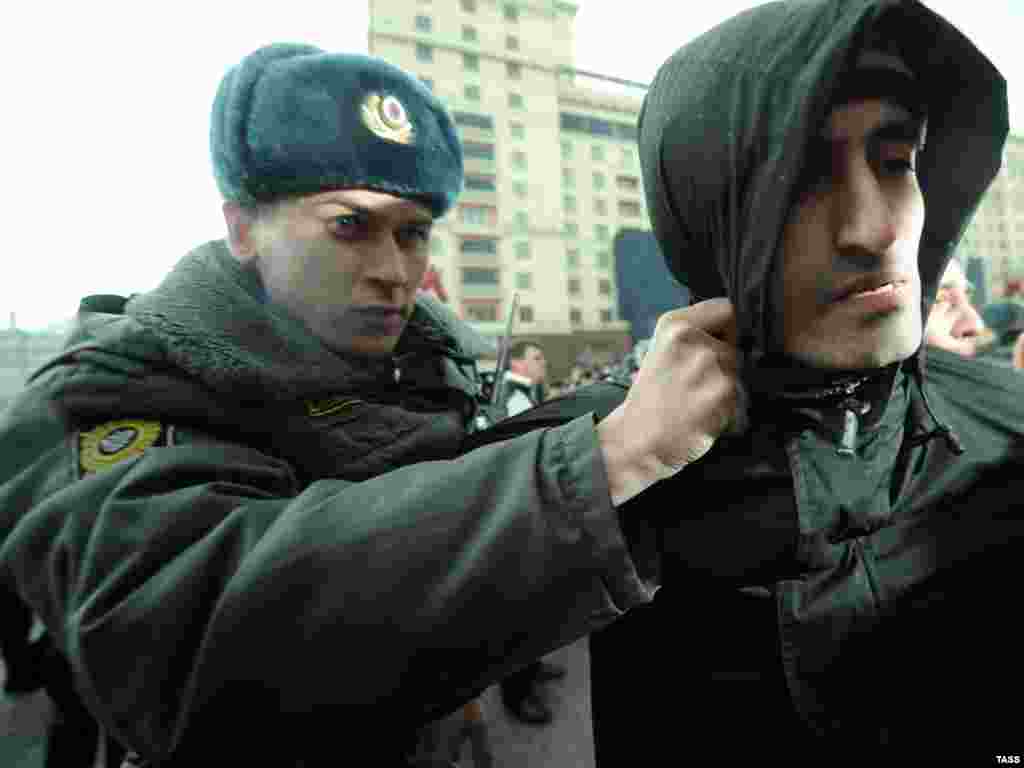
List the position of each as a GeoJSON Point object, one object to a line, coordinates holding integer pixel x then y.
{"type": "Point", "coordinates": [870, 285]}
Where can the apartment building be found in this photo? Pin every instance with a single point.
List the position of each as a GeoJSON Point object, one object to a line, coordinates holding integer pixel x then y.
{"type": "Point", "coordinates": [550, 159]}
{"type": "Point", "coordinates": [995, 236]}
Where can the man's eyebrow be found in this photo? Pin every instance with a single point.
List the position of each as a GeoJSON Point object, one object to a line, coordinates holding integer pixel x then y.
{"type": "Point", "coordinates": [909, 130]}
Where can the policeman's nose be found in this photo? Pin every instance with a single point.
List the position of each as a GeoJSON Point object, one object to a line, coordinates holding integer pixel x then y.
{"type": "Point", "coordinates": [388, 265]}
{"type": "Point", "coordinates": [866, 221]}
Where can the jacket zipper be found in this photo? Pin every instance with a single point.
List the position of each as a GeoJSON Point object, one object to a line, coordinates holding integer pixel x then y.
{"type": "Point", "coordinates": [852, 410]}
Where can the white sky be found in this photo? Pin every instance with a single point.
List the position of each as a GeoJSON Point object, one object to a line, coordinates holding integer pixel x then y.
{"type": "Point", "coordinates": [106, 109]}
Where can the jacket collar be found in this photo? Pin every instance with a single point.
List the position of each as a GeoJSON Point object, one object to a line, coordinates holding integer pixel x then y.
{"type": "Point", "coordinates": [211, 317]}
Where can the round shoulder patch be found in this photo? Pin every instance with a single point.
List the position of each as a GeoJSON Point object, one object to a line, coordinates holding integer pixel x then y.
{"type": "Point", "coordinates": [116, 441]}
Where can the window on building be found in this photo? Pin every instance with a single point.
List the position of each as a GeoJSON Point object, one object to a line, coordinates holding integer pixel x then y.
{"type": "Point", "coordinates": [520, 221]}
{"type": "Point", "coordinates": [571, 229]}
{"type": "Point", "coordinates": [604, 260]}
{"type": "Point", "coordinates": [512, 42]}
{"type": "Point", "coordinates": [480, 276]}
{"type": "Point", "coordinates": [478, 150]}
{"type": "Point", "coordinates": [607, 316]}
{"type": "Point", "coordinates": [573, 286]}
{"type": "Point", "coordinates": [627, 183]}
{"type": "Point", "coordinates": [473, 120]}
{"type": "Point", "coordinates": [629, 208]}
{"type": "Point", "coordinates": [594, 126]}
{"type": "Point", "coordinates": [519, 188]}
{"type": "Point", "coordinates": [522, 249]}
{"type": "Point", "coordinates": [628, 158]}
{"type": "Point", "coordinates": [514, 70]}
{"type": "Point", "coordinates": [575, 317]}
{"type": "Point", "coordinates": [471, 92]}
{"type": "Point", "coordinates": [429, 83]}
{"type": "Point", "coordinates": [525, 314]}
{"type": "Point", "coordinates": [524, 281]}
{"type": "Point", "coordinates": [511, 13]}
{"type": "Point", "coordinates": [478, 183]}
{"type": "Point", "coordinates": [566, 148]}
{"type": "Point", "coordinates": [480, 312]}
{"type": "Point", "coordinates": [423, 24]}
{"type": "Point", "coordinates": [518, 130]}
{"type": "Point", "coordinates": [479, 245]}
{"type": "Point", "coordinates": [604, 287]}
{"type": "Point", "coordinates": [471, 62]}
{"type": "Point", "coordinates": [601, 231]}
{"type": "Point", "coordinates": [598, 180]}
{"type": "Point", "coordinates": [572, 258]}
{"type": "Point", "coordinates": [469, 6]}
{"type": "Point", "coordinates": [477, 215]}
{"type": "Point", "coordinates": [469, 34]}
{"type": "Point", "coordinates": [424, 52]}
{"type": "Point", "coordinates": [436, 245]}
{"type": "Point", "coordinates": [597, 153]}
{"type": "Point", "coordinates": [569, 204]}
{"type": "Point", "coordinates": [515, 100]}
{"type": "Point", "coordinates": [568, 177]}
{"type": "Point", "coordinates": [600, 207]}
{"type": "Point", "coordinates": [519, 161]}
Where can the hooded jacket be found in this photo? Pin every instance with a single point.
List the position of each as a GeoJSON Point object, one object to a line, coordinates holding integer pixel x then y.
{"type": "Point", "coordinates": [830, 566]}
{"type": "Point", "coordinates": [249, 547]}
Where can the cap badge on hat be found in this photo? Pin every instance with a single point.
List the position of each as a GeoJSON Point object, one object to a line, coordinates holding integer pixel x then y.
{"type": "Point", "coordinates": [386, 117]}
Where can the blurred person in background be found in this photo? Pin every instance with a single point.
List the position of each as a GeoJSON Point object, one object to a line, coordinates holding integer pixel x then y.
{"type": "Point", "coordinates": [953, 322]}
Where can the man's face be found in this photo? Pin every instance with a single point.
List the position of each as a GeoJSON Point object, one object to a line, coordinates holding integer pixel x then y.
{"type": "Point", "coordinates": [533, 365]}
{"type": "Point", "coordinates": [953, 323]}
{"type": "Point", "coordinates": [347, 263]}
{"type": "Point", "coordinates": [849, 289]}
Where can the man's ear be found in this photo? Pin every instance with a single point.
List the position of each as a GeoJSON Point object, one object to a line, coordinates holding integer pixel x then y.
{"type": "Point", "coordinates": [241, 223]}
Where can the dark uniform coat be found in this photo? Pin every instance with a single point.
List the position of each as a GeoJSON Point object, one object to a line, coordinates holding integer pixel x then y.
{"type": "Point", "coordinates": [845, 575]}
{"type": "Point", "coordinates": [251, 549]}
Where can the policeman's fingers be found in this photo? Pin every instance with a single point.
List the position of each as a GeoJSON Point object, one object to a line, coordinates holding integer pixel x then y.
{"type": "Point", "coordinates": [714, 316]}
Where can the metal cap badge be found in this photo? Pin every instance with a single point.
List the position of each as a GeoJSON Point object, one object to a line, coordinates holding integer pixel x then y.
{"type": "Point", "coordinates": [387, 118]}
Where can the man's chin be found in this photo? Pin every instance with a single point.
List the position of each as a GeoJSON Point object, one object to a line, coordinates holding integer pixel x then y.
{"type": "Point", "coordinates": [859, 357]}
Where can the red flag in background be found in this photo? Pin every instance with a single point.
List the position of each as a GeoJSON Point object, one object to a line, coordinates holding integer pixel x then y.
{"type": "Point", "coordinates": [432, 284]}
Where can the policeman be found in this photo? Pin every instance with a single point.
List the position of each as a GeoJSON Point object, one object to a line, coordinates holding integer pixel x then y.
{"type": "Point", "coordinates": [240, 503]}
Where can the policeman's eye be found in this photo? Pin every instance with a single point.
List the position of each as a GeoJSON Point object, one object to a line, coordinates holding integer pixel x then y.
{"type": "Point", "coordinates": [349, 226]}
{"type": "Point", "coordinates": [415, 235]}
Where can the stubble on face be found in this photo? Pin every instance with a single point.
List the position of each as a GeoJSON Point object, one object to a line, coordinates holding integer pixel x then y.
{"type": "Point", "coordinates": [862, 222]}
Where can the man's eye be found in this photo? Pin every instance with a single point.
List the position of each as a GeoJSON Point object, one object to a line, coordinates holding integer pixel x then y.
{"type": "Point", "coordinates": [900, 165]}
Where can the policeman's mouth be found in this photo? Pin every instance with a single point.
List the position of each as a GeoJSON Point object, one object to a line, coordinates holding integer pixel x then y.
{"type": "Point", "coordinates": [379, 319]}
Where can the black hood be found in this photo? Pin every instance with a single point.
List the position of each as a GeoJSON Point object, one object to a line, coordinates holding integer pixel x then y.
{"type": "Point", "coordinates": [726, 121]}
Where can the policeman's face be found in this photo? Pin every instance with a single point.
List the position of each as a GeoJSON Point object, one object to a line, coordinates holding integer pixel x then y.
{"type": "Point", "coordinates": [347, 263]}
{"type": "Point", "coordinates": [849, 287]}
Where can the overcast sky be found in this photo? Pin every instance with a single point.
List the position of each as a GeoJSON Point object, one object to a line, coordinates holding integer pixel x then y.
{"type": "Point", "coordinates": [106, 109]}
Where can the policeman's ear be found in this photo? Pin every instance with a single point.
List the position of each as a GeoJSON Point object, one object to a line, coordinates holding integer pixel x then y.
{"type": "Point", "coordinates": [242, 223]}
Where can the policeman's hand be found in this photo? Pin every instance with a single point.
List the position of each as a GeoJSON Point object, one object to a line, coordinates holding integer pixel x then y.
{"type": "Point", "coordinates": [686, 394]}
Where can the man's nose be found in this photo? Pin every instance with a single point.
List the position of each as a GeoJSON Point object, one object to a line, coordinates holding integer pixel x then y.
{"type": "Point", "coordinates": [866, 221]}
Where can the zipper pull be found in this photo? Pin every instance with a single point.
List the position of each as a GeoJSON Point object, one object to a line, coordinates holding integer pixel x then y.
{"type": "Point", "coordinates": [852, 410]}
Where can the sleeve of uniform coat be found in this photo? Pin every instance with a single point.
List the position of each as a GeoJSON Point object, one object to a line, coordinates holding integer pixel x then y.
{"type": "Point", "coordinates": [195, 591]}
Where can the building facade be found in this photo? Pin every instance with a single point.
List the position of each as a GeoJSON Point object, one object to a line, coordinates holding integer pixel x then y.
{"type": "Point", "coordinates": [995, 236]}
{"type": "Point", "coordinates": [550, 158]}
